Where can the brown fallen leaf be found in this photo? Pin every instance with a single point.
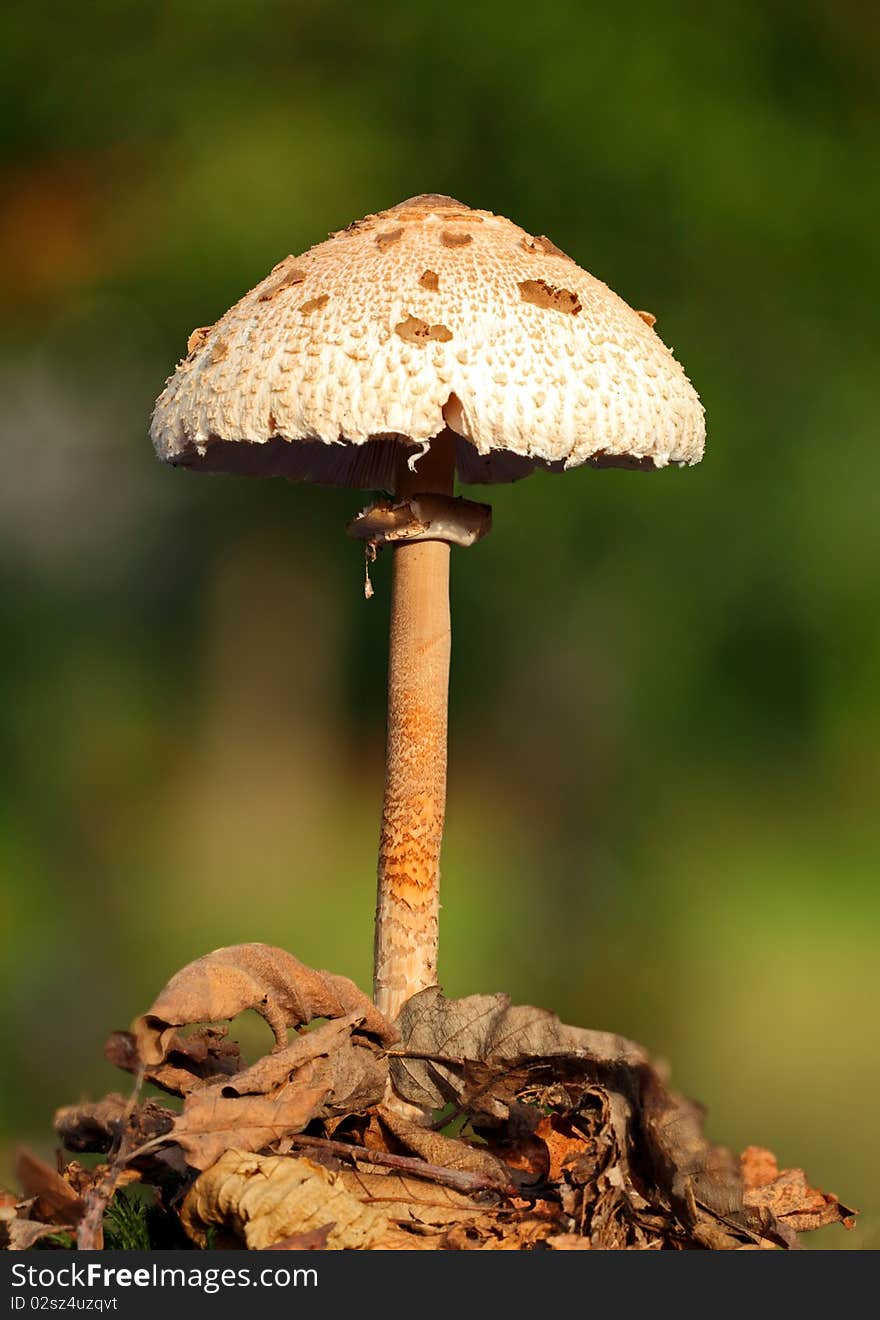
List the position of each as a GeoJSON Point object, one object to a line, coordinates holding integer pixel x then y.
{"type": "Point", "coordinates": [203, 1055]}
{"type": "Point", "coordinates": [356, 1071]}
{"type": "Point", "coordinates": [485, 1055]}
{"type": "Point", "coordinates": [446, 1152]}
{"type": "Point", "coordinates": [521, 1234]}
{"type": "Point", "coordinates": [787, 1195]}
{"type": "Point", "coordinates": [96, 1127]}
{"type": "Point", "coordinates": [211, 1123]}
{"type": "Point", "coordinates": [437, 1032]}
{"type": "Point", "coordinates": [54, 1200]}
{"type": "Point", "coordinates": [17, 1231]}
{"type": "Point", "coordinates": [82, 1180]}
{"type": "Point", "coordinates": [565, 1144]}
{"type": "Point", "coordinates": [276, 985]}
{"type": "Point", "coordinates": [525, 1153]}
{"type": "Point", "coordinates": [461, 1180]}
{"type": "Point", "coordinates": [586, 1146]}
{"type": "Point", "coordinates": [413, 1202]}
{"type": "Point", "coordinates": [690, 1168]}
{"type": "Point", "coordinates": [23, 1234]}
{"type": "Point", "coordinates": [319, 1073]}
{"type": "Point", "coordinates": [262, 1200]}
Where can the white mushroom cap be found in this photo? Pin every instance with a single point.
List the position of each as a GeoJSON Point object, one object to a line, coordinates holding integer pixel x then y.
{"type": "Point", "coordinates": [426, 316]}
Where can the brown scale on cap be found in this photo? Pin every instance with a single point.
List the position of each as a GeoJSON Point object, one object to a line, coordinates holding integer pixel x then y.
{"type": "Point", "coordinates": [453, 239]}
{"type": "Point", "coordinates": [390, 236]}
{"type": "Point", "coordinates": [542, 294]}
{"type": "Point", "coordinates": [198, 337]}
{"type": "Point", "coordinates": [543, 244]}
{"type": "Point", "coordinates": [416, 331]}
{"type": "Point", "coordinates": [287, 277]}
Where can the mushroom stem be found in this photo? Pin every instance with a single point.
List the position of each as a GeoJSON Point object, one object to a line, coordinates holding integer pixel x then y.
{"type": "Point", "coordinates": [414, 806]}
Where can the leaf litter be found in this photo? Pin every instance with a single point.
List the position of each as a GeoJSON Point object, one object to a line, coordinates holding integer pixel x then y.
{"type": "Point", "coordinates": [467, 1124]}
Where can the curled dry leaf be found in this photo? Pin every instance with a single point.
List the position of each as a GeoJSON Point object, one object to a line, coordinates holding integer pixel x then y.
{"type": "Point", "coordinates": [229, 981]}
{"type": "Point", "coordinates": [787, 1195]}
{"type": "Point", "coordinates": [278, 1067]}
{"type": "Point", "coordinates": [17, 1231]}
{"type": "Point", "coordinates": [560, 1147]}
{"type": "Point", "coordinates": [318, 1074]}
{"type": "Point", "coordinates": [487, 1057]}
{"type": "Point", "coordinates": [205, 1054]}
{"type": "Point", "coordinates": [487, 1029]}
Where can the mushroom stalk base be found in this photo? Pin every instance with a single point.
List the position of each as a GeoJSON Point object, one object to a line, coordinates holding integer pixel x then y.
{"type": "Point", "coordinates": [414, 806]}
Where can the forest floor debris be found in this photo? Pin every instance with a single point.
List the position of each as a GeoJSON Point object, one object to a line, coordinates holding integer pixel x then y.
{"type": "Point", "coordinates": [467, 1124]}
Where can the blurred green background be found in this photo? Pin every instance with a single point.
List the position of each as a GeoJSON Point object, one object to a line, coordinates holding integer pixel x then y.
{"type": "Point", "coordinates": [664, 724]}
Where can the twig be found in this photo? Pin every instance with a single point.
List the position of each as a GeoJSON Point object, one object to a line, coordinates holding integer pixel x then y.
{"type": "Point", "coordinates": [459, 1179]}
{"type": "Point", "coordinates": [90, 1230]}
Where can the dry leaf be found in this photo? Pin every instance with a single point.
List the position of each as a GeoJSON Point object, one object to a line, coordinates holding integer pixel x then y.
{"type": "Point", "coordinates": [485, 1056]}
{"type": "Point", "coordinates": [212, 1123]}
{"type": "Point", "coordinates": [412, 1202]}
{"type": "Point", "coordinates": [229, 981]}
{"type": "Point", "coordinates": [22, 1234]}
{"type": "Point", "coordinates": [264, 1199]}
{"type": "Point", "coordinates": [487, 1029]}
{"type": "Point", "coordinates": [17, 1231]}
{"type": "Point", "coordinates": [54, 1200]}
{"type": "Point", "coordinates": [587, 1118]}
{"type": "Point", "coordinates": [203, 1055]}
{"type": "Point", "coordinates": [565, 1145]}
{"type": "Point", "coordinates": [787, 1195]}
{"type": "Point", "coordinates": [96, 1127]}
{"type": "Point", "coordinates": [522, 1234]}
{"type": "Point", "coordinates": [316, 1075]}
{"type": "Point", "coordinates": [445, 1152]}
{"type": "Point", "coordinates": [276, 1068]}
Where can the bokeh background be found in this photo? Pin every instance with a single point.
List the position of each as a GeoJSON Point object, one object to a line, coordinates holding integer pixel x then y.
{"type": "Point", "coordinates": [664, 724]}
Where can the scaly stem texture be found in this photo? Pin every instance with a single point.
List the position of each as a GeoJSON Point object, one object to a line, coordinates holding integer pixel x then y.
{"type": "Point", "coordinates": [415, 769]}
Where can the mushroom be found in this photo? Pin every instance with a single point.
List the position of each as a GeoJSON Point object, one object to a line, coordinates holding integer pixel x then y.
{"type": "Point", "coordinates": [422, 342]}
